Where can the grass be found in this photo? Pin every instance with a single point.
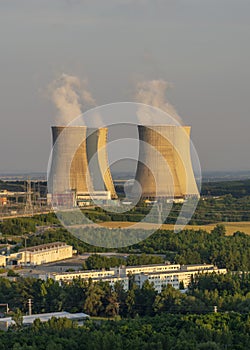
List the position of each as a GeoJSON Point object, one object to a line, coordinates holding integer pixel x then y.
{"type": "Point", "coordinates": [231, 227]}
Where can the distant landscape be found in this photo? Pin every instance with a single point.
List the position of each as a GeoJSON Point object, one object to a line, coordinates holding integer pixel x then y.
{"type": "Point", "coordinates": [207, 176]}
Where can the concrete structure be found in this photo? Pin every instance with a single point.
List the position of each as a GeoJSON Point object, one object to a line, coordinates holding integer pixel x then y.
{"type": "Point", "coordinates": [94, 275]}
{"type": "Point", "coordinates": [6, 322]}
{"type": "Point", "coordinates": [174, 278]}
{"type": "Point", "coordinates": [3, 200]}
{"type": "Point", "coordinates": [2, 260]}
{"type": "Point", "coordinates": [98, 160]}
{"type": "Point", "coordinates": [79, 161]}
{"type": "Point", "coordinates": [170, 150]}
{"type": "Point", "coordinates": [7, 196]}
{"type": "Point", "coordinates": [86, 198]}
{"type": "Point", "coordinates": [133, 270]}
{"type": "Point", "coordinates": [158, 274]}
{"type": "Point", "coordinates": [199, 267]}
{"type": "Point", "coordinates": [42, 254]}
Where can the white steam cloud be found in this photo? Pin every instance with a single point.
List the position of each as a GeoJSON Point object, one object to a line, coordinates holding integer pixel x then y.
{"type": "Point", "coordinates": [71, 97]}
{"type": "Point", "coordinates": [153, 93]}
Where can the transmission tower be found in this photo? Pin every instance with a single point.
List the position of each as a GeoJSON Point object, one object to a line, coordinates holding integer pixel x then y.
{"type": "Point", "coordinates": [28, 205]}
{"type": "Point", "coordinates": [159, 209]}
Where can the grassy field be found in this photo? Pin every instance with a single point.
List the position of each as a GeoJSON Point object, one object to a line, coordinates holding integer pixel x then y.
{"type": "Point", "coordinates": [231, 227]}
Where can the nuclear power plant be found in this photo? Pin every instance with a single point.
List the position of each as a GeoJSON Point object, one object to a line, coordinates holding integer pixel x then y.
{"type": "Point", "coordinates": [80, 166]}
{"type": "Point", "coordinates": [165, 168]}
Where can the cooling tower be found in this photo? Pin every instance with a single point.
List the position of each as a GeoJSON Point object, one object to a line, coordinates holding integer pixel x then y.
{"type": "Point", "coordinates": [71, 156]}
{"type": "Point", "coordinates": [98, 160]}
{"type": "Point", "coordinates": [172, 145]}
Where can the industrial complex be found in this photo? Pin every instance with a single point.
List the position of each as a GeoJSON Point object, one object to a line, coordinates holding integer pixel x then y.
{"type": "Point", "coordinates": [80, 176]}
{"type": "Point", "coordinates": [80, 173]}
{"type": "Point", "coordinates": [160, 275]}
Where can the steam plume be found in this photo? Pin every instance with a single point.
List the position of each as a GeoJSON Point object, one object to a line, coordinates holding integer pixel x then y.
{"type": "Point", "coordinates": [70, 96]}
{"type": "Point", "coordinates": [153, 93]}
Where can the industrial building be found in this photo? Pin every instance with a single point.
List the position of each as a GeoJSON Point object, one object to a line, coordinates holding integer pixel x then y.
{"type": "Point", "coordinates": [41, 254]}
{"type": "Point", "coordinates": [6, 322]}
{"type": "Point", "coordinates": [79, 164]}
{"type": "Point", "coordinates": [93, 274]}
{"type": "Point", "coordinates": [2, 260]}
{"type": "Point", "coordinates": [174, 278]}
{"type": "Point", "coordinates": [3, 198]}
{"type": "Point", "coordinates": [96, 276]}
{"type": "Point", "coordinates": [166, 148]}
{"type": "Point", "coordinates": [84, 199]}
{"type": "Point", "coordinates": [133, 270]}
{"type": "Point", "coordinates": [159, 274]}
{"type": "Point", "coordinates": [7, 196]}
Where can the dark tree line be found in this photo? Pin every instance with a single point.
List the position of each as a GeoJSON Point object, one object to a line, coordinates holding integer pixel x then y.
{"type": "Point", "coordinates": [164, 332]}
{"type": "Point", "coordinates": [95, 261]}
{"type": "Point", "coordinates": [237, 189]}
{"type": "Point", "coordinates": [190, 247]}
{"type": "Point", "coordinates": [186, 247]}
{"type": "Point", "coordinates": [228, 292]}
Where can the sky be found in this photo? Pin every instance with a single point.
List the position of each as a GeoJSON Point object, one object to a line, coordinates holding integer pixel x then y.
{"type": "Point", "coordinates": [200, 47]}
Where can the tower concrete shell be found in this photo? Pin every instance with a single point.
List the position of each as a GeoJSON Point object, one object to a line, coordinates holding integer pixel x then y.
{"type": "Point", "coordinates": [98, 160]}
{"type": "Point", "coordinates": [172, 144]}
{"type": "Point", "coordinates": [71, 156]}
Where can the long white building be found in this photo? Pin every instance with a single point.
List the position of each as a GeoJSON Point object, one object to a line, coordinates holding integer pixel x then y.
{"type": "Point", "coordinates": [87, 274]}
{"type": "Point", "coordinates": [174, 278]}
{"type": "Point", "coordinates": [159, 275]}
{"type": "Point", "coordinates": [94, 275]}
{"type": "Point", "coordinates": [133, 270]}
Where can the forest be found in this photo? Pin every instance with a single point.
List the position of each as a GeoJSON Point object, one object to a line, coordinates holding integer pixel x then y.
{"type": "Point", "coordinates": [163, 332]}
{"type": "Point", "coordinates": [237, 188]}
{"type": "Point", "coordinates": [138, 319]}
{"type": "Point", "coordinates": [185, 247]}
{"type": "Point", "coordinates": [230, 292]}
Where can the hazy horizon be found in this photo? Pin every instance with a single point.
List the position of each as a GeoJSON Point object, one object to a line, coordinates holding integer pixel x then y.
{"type": "Point", "coordinates": [199, 48]}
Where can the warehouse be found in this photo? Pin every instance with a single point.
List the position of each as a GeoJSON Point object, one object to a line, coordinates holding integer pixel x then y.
{"type": "Point", "coordinates": [41, 254]}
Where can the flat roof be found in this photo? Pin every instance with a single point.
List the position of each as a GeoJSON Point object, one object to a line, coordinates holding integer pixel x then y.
{"type": "Point", "coordinates": [151, 265]}
{"type": "Point", "coordinates": [191, 265]}
{"type": "Point", "coordinates": [44, 246]}
{"type": "Point", "coordinates": [46, 317]}
{"type": "Point", "coordinates": [172, 272]}
{"type": "Point", "coordinates": [82, 272]}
